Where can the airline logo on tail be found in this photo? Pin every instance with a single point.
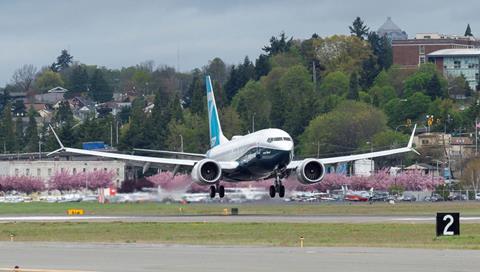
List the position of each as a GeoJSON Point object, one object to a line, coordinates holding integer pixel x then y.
{"type": "Point", "coordinates": [216, 135]}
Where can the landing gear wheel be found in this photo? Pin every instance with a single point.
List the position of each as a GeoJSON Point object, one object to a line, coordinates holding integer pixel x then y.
{"type": "Point", "coordinates": [221, 191]}
{"type": "Point", "coordinates": [272, 191]}
{"type": "Point", "coordinates": [213, 191]}
{"type": "Point", "coordinates": [281, 191]}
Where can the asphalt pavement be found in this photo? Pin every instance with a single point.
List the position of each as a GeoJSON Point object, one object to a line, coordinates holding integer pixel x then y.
{"type": "Point", "coordinates": [75, 257]}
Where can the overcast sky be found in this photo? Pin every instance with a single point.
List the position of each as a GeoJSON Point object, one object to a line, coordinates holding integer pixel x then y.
{"type": "Point", "coordinates": [122, 33]}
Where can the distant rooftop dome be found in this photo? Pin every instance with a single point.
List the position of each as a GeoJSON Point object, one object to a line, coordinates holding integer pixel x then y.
{"type": "Point", "coordinates": [389, 25]}
{"type": "Point", "coordinates": [392, 31]}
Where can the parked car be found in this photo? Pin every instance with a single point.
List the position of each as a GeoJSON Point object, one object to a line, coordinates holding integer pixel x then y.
{"type": "Point", "coordinates": [477, 196]}
{"type": "Point", "coordinates": [434, 198]}
{"type": "Point", "coordinates": [379, 196]}
{"type": "Point", "coordinates": [458, 197]}
{"type": "Point", "coordinates": [409, 198]}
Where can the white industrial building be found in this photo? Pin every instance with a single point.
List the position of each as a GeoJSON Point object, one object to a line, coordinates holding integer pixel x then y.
{"type": "Point", "coordinates": [46, 169]}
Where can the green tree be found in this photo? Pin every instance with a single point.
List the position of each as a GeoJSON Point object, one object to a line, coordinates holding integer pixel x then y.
{"type": "Point", "coordinates": [79, 81]}
{"type": "Point", "coordinates": [194, 131]}
{"type": "Point", "coordinates": [458, 87]}
{"type": "Point", "coordinates": [262, 66]}
{"type": "Point", "coordinates": [344, 129]}
{"type": "Point", "coordinates": [413, 107]}
{"type": "Point", "coordinates": [217, 70]}
{"type": "Point", "coordinates": [358, 28]}
{"type": "Point", "coordinates": [278, 45]}
{"type": "Point", "coordinates": [133, 133]}
{"type": "Point", "coordinates": [425, 80]}
{"type": "Point", "coordinates": [8, 130]}
{"type": "Point", "coordinates": [271, 83]}
{"type": "Point", "coordinates": [341, 53]}
{"type": "Point", "coordinates": [100, 90]}
{"type": "Point", "coordinates": [141, 79]}
{"type": "Point", "coordinates": [198, 94]}
{"type": "Point", "coordinates": [253, 102]}
{"type": "Point", "coordinates": [64, 113]}
{"type": "Point", "coordinates": [63, 61]}
{"type": "Point", "coordinates": [231, 122]}
{"type": "Point", "coordinates": [47, 80]}
{"type": "Point", "coordinates": [388, 139]}
{"type": "Point", "coordinates": [468, 31]}
{"type": "Point", "coordinates": [239, 76]}
{"type": "Point", "coordinates": [382, 50]}
{"type": "Point", "coordinates": [353, 87]}
{"type": "Point", "coordinates": [297, 90]}
{"type": "Point", "coordinates": [336, 83]}
{"type": "Point", "coordinates": [434, 87]}
{"type": "Point", "coordinates": [380, 95]}
{"type": "Point", "coordinates": [19, 133]}
{"type": "Point", "coordinates": [31, 134]}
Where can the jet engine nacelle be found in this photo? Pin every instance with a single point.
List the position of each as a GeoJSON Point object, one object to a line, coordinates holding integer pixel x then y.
{"type": "Point", "coordinates": [206, 171]}
{"type": "Point", "coordinates": [310, 171]}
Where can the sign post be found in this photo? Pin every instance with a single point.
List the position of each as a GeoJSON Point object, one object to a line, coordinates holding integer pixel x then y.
{"type": "Point", "coordinates": [448, 224]}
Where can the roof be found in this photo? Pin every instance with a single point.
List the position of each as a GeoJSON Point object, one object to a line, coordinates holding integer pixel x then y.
{"type": "Point", "coordinates": [57, 89]}
{"type": "Point", "coordinates": [419, 166]}
{"type": "Point", "coordinates": [456, 52]}
{"type": "Point", "coordinates": [389, 25]}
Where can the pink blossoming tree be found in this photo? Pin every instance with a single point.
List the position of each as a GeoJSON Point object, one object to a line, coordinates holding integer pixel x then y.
{"type": "Point", "coordinates": [382, 180]}
{"type": "Point", "coordinates": [64, 181]}
{"type": "Point", "coordinates": [24, 184]}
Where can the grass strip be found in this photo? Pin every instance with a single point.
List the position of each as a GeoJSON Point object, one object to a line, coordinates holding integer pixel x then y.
{"type": "Point", "coordinates": [260, 234]}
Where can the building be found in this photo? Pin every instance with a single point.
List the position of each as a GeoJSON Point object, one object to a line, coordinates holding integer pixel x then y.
{"type": "Point", "coordinates": [432, 140]}
{"type": "Point", "coordinates": [391, 31]}
{"type": "Point", "coordinates": [411, 53]}
{"type": "Point", "coordinates": [45, 169]}
{"type": "Point", "coordinates": [457, 62]}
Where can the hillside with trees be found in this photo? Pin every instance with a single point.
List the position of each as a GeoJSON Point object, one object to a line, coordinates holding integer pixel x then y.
{"type": "Point", "coordinates": [332, 94]}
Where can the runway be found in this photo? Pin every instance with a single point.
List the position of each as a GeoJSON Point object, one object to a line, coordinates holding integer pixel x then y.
{"type": "Point", "coordinates": [237, 219]}
{"type": "Point", "coordinates": [73, 257]}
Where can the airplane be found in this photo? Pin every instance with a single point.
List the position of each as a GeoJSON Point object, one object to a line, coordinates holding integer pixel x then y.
{"type": "Point", "coordinates": [264, 154]}
{"type": "Point", "coordinates": [361, 196]}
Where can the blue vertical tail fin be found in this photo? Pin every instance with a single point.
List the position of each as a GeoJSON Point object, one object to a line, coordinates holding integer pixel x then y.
{"type": "Point", "coordinates": [216, 134]}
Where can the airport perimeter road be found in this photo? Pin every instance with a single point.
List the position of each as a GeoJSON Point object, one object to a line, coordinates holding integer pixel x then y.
{"type": "Point", "coordinates": [238, 219]}
{"type": "Point", "coordinates": [142, 258]}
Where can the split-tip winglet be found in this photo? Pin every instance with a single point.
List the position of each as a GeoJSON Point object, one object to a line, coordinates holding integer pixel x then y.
{"type": "Point", "coordinates": [410, 142]}
{"type": "Point", "coordinates": [58, 140]}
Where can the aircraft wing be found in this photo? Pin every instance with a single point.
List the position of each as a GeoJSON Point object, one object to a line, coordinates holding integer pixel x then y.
{"type": "Point", "coordinates": [129, 157]}
{"type": "Point", "coordinates": [227, 165]}
{"type": "Point", "coordinates": [376, 154]}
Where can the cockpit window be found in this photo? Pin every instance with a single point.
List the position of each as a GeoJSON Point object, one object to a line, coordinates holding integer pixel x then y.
{"type": "Point", "coordinates": [278, 139]}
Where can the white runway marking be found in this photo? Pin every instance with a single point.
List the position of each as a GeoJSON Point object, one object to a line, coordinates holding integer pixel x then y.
{"type": "Point", "coordinates": [432, 219]}
{"type": "Point", "coordinates": [59, 218]}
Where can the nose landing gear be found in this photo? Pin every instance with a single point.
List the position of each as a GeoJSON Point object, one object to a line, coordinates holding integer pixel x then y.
{"type": "Point", "coordinates": [277, 188]}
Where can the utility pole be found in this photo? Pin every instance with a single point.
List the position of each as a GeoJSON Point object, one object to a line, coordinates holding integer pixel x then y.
{"type": "Point", "coordinates": [117, 132]}
{"type": "Point", "coordinates": [181, 143]}
{"type": "Point", "coordinates": [476, 137]}
{"type": "Point", "coordinates": [111, 134]}
{"type": "Point", "coordinates": [253, 122]}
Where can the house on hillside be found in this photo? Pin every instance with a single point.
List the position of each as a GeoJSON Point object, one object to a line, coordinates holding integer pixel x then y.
{"type": "Point", "coordinates": [53, 96]}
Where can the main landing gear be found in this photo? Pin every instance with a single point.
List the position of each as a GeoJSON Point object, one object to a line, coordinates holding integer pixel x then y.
{"type": "Point", "coordinates": [214, 189]}
{"type": "Point", "coordinates": [277, 188]}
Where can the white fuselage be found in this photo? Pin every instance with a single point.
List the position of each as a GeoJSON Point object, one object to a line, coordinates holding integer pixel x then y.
{"type": "Point", "coordinates": [240, 145]}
